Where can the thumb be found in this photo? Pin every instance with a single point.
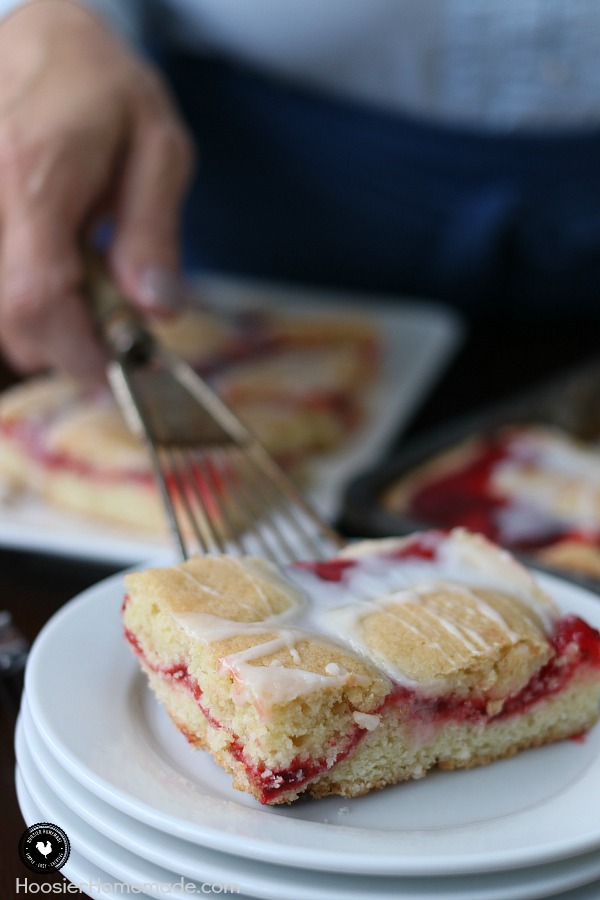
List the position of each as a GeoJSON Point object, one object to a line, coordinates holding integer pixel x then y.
{"type": "Point", "coordinates": [145, 252]}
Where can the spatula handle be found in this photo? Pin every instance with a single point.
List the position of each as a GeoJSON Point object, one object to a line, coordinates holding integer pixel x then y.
{"type": "Point", "coordinates": [116, 320]}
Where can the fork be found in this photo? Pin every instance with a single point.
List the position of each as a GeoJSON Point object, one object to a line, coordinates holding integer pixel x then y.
{"type": "Point", "coordinates": [222, 491]}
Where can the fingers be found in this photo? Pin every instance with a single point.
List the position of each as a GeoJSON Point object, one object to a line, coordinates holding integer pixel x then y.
{"type": "Point", "coordinates": [145, 250]}
{"type": "Point", "coordinates": [81, 133]}
{"type": "Point", "coordinates": [43, 319]}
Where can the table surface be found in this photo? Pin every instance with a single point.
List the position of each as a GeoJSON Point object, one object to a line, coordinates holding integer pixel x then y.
{"type": "Point", "coordinates": [496, 359]}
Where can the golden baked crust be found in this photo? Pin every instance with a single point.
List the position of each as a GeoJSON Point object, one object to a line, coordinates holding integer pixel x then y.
{"type": "Point", "coordinates": [292, 375]}
{"type": "Point", "coordinates": [314, 331]}
{"type": "Point", "coordinates": [572, 556]}
{"type": "Point", "coordinates": [200, 336]}
{"type": "Point", "coordinates": [472, 640]}
{"type": "Point", "coordinates": [218, 586]}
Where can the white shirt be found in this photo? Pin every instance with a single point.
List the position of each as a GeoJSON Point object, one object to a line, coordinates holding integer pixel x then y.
{"type": "Point", "coordinates": [500, 64]}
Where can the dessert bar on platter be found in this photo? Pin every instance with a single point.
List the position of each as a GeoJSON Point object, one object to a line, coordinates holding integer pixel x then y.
{"type": "Point", "coordinates": [525, 473]}
{"type": "Point", "coordinates": [298, 382]}
{"type": "Point", "coordinates": [532, 489]}
{"type": "Point", "coordinates": [400, 655]}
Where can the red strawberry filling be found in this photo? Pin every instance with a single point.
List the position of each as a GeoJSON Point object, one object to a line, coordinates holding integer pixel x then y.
{"type": "Point", "coordinates": [299, 772]}
{"type": "Point", "coordinates": [466, 497]}
{"type": "Point", "coordinates": [417, 547]}
{"type": "Point", "coordinates": [32, 439]}
{"type": "Point", "coordinates": [270, 783]}
{"type": "Point", "coordinates": [576, 647]}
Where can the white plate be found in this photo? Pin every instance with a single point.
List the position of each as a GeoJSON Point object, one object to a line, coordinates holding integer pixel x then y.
{"type": "Point", "coordinates": [46, 779]}
{"type": "Point", "coordinates": [77, 869]}
{"type": "Point", "coordinates": [91, 705]}
{"type": "Point", "coordinates": [98, 867]}
{"type": "Point", "coordinates": [418, 339]}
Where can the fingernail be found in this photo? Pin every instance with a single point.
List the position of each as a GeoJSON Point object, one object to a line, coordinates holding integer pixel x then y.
{"type": "Point", "coordinates": [161, 291]}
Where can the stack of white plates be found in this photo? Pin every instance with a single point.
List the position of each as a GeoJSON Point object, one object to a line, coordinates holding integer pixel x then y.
{"type": "Point", "coordinates": [99, 758]}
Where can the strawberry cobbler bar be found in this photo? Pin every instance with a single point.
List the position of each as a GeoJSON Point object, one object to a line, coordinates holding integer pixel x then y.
{"type": "Point", "coordinates": [533, 489]}
{"type": "Point", "coordinates": [343, 676]}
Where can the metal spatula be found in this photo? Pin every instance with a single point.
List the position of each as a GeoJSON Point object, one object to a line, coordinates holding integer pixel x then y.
{"type": "Point", "coordinates": [222, 491]}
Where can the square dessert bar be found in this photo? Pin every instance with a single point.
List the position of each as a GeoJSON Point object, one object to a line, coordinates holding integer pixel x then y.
{"type": "Point", "coordinates": [533, 489]}
{"type": "Point", "coordinates": [339, 677]}
{"type": "Point", "coordinates": [298, 383]}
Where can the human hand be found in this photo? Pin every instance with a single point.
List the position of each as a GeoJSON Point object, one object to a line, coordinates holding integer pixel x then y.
{"type": "Point", "coordinates": [87, 130]}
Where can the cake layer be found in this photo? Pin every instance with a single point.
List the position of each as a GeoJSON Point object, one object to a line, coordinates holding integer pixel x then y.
{"type": "Point", "coordinates": [347, 675]}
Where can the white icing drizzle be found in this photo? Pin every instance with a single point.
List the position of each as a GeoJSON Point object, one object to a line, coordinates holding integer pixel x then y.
{"type": "Point", "coordinates": [366, 720]}
{"type": "Point", "coordinates": [347, 621]}
{"type": "Point", "coordinates": [553, 473]}
{"type": "Point", "coordinates": [266, 685]}
{"type": "Point", "coordinates": [334, 610]}
{"type": "Point", "coordinates": [461, 559]}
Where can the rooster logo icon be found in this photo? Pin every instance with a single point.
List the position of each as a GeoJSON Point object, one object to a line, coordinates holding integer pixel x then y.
{"type": "Point", "coordinates": [45, 849]}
